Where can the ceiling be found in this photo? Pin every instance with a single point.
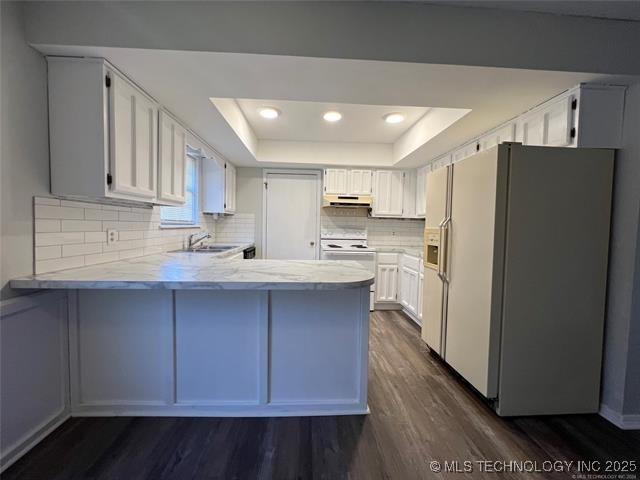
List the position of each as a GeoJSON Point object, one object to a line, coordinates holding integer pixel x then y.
{"type": "Point", "coordinates": [611, 9]}
{"type": "Point", "coordinates": [184, 81]}
{"type": "Point", "coordinates": [302, 121]}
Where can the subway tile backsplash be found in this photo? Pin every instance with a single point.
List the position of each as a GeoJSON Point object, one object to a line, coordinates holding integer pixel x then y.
{"type": "Point", "coordinates": [70, 233]}
{"type": "Point", "coordinates": [381, 232]}
{"type": "Point", "coordinates": [238, 228]}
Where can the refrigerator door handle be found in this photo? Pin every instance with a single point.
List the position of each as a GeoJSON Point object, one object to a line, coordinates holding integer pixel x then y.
{"type": "Point", "coordinates": [440, 249]}
{"type": "Point", "coordinates": [445, 236]}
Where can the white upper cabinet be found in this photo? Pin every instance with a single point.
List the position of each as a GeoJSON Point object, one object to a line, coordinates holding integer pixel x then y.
{"type": "Point", "coordinates": [217, 185]}
{"type": "Point", "coordinates": [335, 181]}
{"type": "Point", "coordinates": [359, 182]}
{"type": "Point", "coordinates": [387, 193]}
{"type": "Point", "coordinates": [409, 194]}
{"type": "Point", "coordinates": [465, 151]}
{"type": "Point", "coordinates": [103, 132]}
{"type": "Point", "coordinates": [133, 140]}
{"type": "Point", "coordinates": [504, 133]}
{"type": "Point", "coordinates": [171, 161]}
{"type": "Point", "coordinates": [550, 125]}
{"type": "Point", "coordinates": [230, 188]}
{"type": "Point", "coordinates": [343, 181]}
{"type": "Point", "coordinates": [421, 191]}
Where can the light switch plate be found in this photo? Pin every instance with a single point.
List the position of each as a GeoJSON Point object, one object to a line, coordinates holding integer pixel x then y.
{"type": "Point", "coordinates": [112, 236]}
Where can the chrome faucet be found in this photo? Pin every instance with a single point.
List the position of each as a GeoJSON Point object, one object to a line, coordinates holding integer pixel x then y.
{"type": "Point", "coordinates": [196, 238]}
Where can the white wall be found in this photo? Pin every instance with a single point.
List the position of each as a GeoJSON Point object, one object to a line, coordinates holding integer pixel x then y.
{"type": "Point", "coordinates": [249, 186]}
{"type": "Point", "coordinates": [325, 153]}
{"type": "Point", "coordinates": [24, 164]}
{"type": "Point", "coordinates": [394, 31]}
{"type": "Point", "coordinates": [621, 370]}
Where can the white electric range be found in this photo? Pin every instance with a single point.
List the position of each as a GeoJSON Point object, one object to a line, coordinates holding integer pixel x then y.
{"type": "Point", "coordinates": [349, 244]}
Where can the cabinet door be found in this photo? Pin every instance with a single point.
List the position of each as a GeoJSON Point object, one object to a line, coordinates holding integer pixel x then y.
{"type": "Point", "coordinates": [230, 188]}
{"type": "Point", "coordinates": [387, 283]}
{"type": "Point", "coordinates": [465, 151]}
{"type": "Point", "coordinates": [409, 181]}
{"type": "Point", "coordinates": [420, 294]}
{"type": "Point", "coordinates": [549, 126]}
{"type": "Point", "coordinates": [171, 161]}
{"type": "Point", "coordinates": [421, 186]}
{"type": "Point", "coordinates": [335, 181]}
{"type": "Point", "coordinates": [409, 289]}
{"type": "Point", "coordinates": [359, 182]}
{"type": "Point", "coordinates": [387, 194]}
{"type": "Point", "coordinates": [503, 134]}
{"type": "Point", "coordinates": [133, 140]}
{"type": "Point", "coordinates": [558, 123]}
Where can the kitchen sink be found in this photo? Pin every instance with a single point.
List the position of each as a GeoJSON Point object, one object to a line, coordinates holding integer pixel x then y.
{"type": "Point", "coordinates": [208, 249]}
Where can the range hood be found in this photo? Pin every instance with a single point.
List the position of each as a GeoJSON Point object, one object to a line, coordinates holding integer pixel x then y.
{"type": "Point", "coordinates": [346, 201]}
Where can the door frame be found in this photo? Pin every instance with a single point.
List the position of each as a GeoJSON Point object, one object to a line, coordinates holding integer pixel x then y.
{"type": "Point", "coordinates": [291, 171]}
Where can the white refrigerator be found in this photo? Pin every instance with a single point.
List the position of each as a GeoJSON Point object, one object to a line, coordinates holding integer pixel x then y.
{"type": "Point", "coordinates": [516, 253]}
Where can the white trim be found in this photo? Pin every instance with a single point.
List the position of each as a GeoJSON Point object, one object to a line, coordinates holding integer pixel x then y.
{"type": "Point", "coordinates": [15, 305]}
{"type": "Point", "coordinates": [297, 171]}
{"type": "Point", "coordinates": [178, 226]}
{"type": "Point", "coordinates": [625, 422]}
{"type": "Point", "coordinates": [14, 452]}
{"type": "Point", "coordinates": [249, 410]}
{"type": "Point", "coordinates": [11, 453]}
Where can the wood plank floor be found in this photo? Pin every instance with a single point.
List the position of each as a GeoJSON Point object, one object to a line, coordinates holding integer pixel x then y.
{"type": "Point", "coordinates": [420, 412]}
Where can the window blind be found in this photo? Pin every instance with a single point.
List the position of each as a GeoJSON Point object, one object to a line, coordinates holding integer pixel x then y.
{"type": "Point", "coordinates": [186, 214]}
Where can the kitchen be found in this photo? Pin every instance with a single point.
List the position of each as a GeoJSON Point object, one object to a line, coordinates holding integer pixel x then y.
{"type": "Point", "coordinates": [318, 266]}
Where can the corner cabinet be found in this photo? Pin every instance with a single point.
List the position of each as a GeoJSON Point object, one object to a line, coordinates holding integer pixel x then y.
{"type": "Point", "coordinates": [109, 139]}
{"type": "Point", "coordinates": [217, 185]}
{"type": "Point", "coordinates": [171, 160]}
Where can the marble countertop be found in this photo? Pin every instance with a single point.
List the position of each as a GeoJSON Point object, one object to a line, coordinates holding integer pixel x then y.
{"type": "Point", "coordinates": [181, 270]}
{"type": "Point", "coordinates": [416, 251]}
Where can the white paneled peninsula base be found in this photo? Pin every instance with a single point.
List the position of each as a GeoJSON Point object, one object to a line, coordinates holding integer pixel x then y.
{"type": "Point", "coordinates": [183, 334]}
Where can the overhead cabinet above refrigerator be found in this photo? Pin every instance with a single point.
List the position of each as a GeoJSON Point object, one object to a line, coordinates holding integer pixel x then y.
{"type": "Point", "coordinates": [516, 249]}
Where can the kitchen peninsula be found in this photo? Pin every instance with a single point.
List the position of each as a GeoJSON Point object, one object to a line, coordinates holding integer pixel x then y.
{"type": "Point", "coordinates": [189, 334]}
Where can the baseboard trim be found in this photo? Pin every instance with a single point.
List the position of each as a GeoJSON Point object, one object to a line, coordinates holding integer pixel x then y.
{"type": "Point", "coordinates": [20, 448]}
{"type": "Point", "coordinates": [625, 422]}
{"type": "Point", "coordinates": [177, 410]}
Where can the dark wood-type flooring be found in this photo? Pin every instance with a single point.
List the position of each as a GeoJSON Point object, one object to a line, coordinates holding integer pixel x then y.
{"type": "Point", "coordinates": [420, 412]}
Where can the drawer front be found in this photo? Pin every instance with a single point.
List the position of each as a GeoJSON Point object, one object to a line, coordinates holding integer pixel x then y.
{"type": "Point", "coordinates": [387, 257]}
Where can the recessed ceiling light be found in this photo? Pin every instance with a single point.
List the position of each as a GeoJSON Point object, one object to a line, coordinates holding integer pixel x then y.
{"type": "Point", "coordinates": [269, 112]}
{"type": "Point", "coordinates": [394, 118]}
{"type": "Point", "coordinates": [332, 116]}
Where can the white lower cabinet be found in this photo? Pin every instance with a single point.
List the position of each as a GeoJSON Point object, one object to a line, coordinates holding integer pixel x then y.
{"type": "Point", "coordinates": [387, 278]}
{"type": "Point", "coordinates": [387, 283]}
{"type": "Point", "coordinates": [420, 293]}
{"type": "Point", "coordinates": [411, 278]}
{"type": "Point", "coordinates": [409, 289]}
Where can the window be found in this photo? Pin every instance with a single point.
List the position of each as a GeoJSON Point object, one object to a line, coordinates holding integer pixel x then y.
{"type": "Point", "coordinates": [186, 214]}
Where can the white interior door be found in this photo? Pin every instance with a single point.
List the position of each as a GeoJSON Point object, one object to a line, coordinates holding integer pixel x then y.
{"type": "Point", "coordinates": [291, 210]}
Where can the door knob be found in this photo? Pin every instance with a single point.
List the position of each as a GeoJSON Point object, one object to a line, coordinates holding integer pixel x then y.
{"type": "Point", "coordinates": [312, 243]}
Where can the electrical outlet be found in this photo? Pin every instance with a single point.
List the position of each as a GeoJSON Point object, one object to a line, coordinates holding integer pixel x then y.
{"type": "Point", "coordinates": [112, 236]}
